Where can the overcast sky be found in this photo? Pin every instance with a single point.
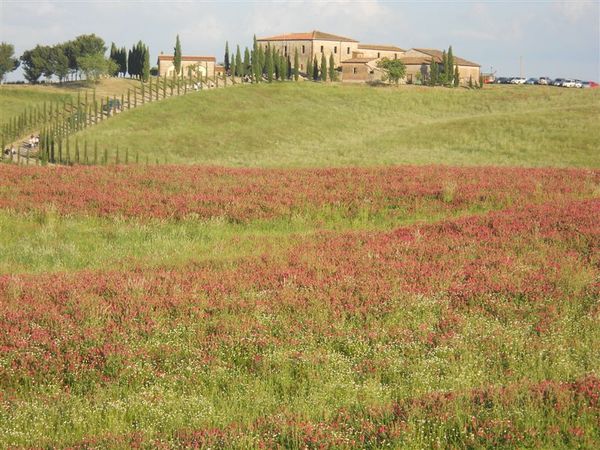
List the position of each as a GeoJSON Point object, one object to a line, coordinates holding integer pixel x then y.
{"type": "Point", "coordinates": [554, 38]}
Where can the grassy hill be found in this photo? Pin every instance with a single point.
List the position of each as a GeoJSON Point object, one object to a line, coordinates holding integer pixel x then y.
{"type": "Point", "coordinates": [14, 99]}
{"type": "Point", "coordinates": [310, 125]}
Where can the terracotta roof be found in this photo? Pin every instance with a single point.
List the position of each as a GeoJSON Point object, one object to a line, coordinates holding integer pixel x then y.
{"type": "Point", "coordinates": [417, 60]}
{"type": "Point", "coordinates": [187, 58]}
{"type": "Point", "coordinates": [310, 36]}
{"type": "Point", "coordinates": [389, 48]}
{"type": "Point", "coordinates": [358, 60]}
{"type": "Point", "coordinates": [438, 54]}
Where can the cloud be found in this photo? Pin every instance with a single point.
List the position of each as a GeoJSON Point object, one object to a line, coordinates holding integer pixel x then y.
{"type": "Point", "coordinates": [574, 11]}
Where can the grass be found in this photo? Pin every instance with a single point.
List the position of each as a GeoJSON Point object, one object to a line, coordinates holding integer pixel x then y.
{"type": "Point", "coordinates": [14, 99]}
{"type": "Point", "coordinates": [306, 124]}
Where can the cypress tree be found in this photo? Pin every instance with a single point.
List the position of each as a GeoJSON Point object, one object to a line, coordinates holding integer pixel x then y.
{"type": "Point", "coordinates": [246, 69]}
{"type": "Point", "coordinates": [233, 70]}
{"type": "Point", "coordinates": [105, 156]}
{"type": "Point", "coordinates": [296, 65]}
{"type": "Point", "coordinates": [332, 74]}
{"type": "Point", "coordinates": [146, 65]}
{"type": "Point", "coordinates": [470, 81]}
{"type": "Point", "coordinates": [95, 152]}
{"type": "Point", "coordinates": [238, 62]}
{"type": "Point", "coordinates": [269, 64]}
{"type": "Point", "coordinates": [450, 69]}
{"type": "Point", "coordinates": [286, 67]}
{"type": "Point", "coordinates": [442, 75]}
{"type": "Point", "coordinates": [177, 55]}
{"type": "Point", "coordinates": [323, 67]}
{"type": "Point", "coordinates": [309, 67]}
{"type": "Point", "coordinates": [456, 76]}
{"type": "Point", "coordinates": [226, 56]}
{"type": "Point", "coordinates": [315, 69]}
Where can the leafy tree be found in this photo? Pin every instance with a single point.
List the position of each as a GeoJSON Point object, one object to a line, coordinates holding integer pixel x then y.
{"type": "Point", "coordinates": [315, 70]}
{"type": "Point", "coordinates": [296, 65]}
{"type": "Point", "coordinates": [238, 62]}
{"type": "Point", "coordinates": [177, 56]}
{"type": "Point", "coordinates": [227, 56]}
{"type": "Point", "coordinates": [8, 62]}
{"type": "Point", "coordinates": [456, 77]}
{"type": "Point", "coordinates": [95, 66]}
{"type": "Point", "coordinates": [59, 62]}
{"type": "Point", "coordinates": [33, 64]}
{"type": "Point", "coordinates": [323, 67]}
{"type": "Point", "coordinates": [332, 72]}
{"type": "Point", "coordinates": [394, 69]}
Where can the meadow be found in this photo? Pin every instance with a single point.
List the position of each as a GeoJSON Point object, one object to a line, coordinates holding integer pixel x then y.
{"type": "Point", "coordinates": [189, 306]}
{"type": "Point", "coordinates": [316, 266]}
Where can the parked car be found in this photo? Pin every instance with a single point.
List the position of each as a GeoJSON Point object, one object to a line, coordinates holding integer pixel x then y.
{"type": "Point", "coordinates": [532, 81]}
{"type": "Point", "coordinates": [544, 81]}
{"type": "Point", "coordinates": [501, 80]}
{"type": "Point", "coordinates": [518, 80]}
{"type": "Point", "coordinates": [558, 82]}
{"type": "Point", "coordinates": [589, 84]}
{"type": "Point", "coordinates": [569, 83]}
{"type": "Point", "coordinates": [578, 84]}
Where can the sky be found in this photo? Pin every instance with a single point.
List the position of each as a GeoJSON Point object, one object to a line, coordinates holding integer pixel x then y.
{"type": "Point", "coordinates": [545, 38]}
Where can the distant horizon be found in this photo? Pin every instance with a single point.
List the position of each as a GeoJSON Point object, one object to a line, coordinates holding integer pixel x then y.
{"type": "Point", "coordinates": [551, 38]}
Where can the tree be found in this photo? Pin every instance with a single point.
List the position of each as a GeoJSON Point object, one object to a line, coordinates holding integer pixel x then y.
{"type": "Point", "coordinates": [269, 64]}
{"type": "Point", "coordinates": [59, 62]}
{"type": "Point", "coordinates": [226, 56]}
{"type": "Point", "coordinates": [315, 69]}
{"type": "Point", "coordinates": [238, 63]}
{"type": "Point", "coordinates": [394, 69]}
{"type": "Point", "coordinates": [146, 64]}
{"type": "Point", "coordinates": [246, 67]}
{"type": "Point", "coordinates": [8, 62]}
{"type": "Point", "coordinates": [114, 54]}
{"type": "Point", "coordinates": [95, 66]}
{"type": "Point", "coordinates": [456, 77]}
{"type": "Point", "coordinates": [443, 73]}
{"type": "Point", "coordinates": [450, 71]}
{"type": "Point", "coordinates": [309, 67]}
{"type": "Point", "coordinates": [470, 81]}
{"type": "Point", "coordinates": [433, 73]}
{"type": "Point", "coordinates": [332, 72]}
{"type": "Point", "coordinates": [177, 56]}
{"type": "Point", "coordinates": [33, 64]}
{"type": "Point", "coordinates": [323, 67]}
{"type": "Point", "coordinates": [296, 65]}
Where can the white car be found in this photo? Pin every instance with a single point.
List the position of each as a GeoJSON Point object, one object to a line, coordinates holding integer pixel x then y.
{"type": "Point", "coordinates": [571, 83]}
{"type": "Point", "coordinates": [518, 80]}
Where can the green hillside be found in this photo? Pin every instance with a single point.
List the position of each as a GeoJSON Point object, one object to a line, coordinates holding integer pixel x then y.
{"type": "Point", "coordinates": [14, 99]}
{"type": "Point", "coordinates": [306, 124]}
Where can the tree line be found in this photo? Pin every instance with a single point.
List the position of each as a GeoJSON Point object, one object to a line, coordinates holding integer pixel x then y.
{"type": "Point", "coordinates": [70, 60]}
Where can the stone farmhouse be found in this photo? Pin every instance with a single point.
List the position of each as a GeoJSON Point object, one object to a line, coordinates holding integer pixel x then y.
{"type": "Point", "coordinates": [205, 65]}
{"type": "Point", "coordinates": [358, 62]}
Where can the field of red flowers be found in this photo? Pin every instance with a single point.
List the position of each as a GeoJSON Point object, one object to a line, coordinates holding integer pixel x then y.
{"type": "Point", "coordinates": [474, 327]}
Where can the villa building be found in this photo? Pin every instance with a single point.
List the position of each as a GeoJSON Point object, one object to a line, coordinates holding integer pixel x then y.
{"type": "Point", "coordinates": [358, 62]}
{"type": "Point", "coordinates": [206, 65]}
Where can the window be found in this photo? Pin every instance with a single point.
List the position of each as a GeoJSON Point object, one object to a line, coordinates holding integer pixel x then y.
{"type": "Point", "coordinates": [335, 49]}
{"type": "Point", "coordinates": [348, 51]}
{"type": "Point", "coordinates": [303, 49]}
{"type": "Point", "coordinates": [354, 70]}
{"type": "Point", "coordinates": [321, 49]}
